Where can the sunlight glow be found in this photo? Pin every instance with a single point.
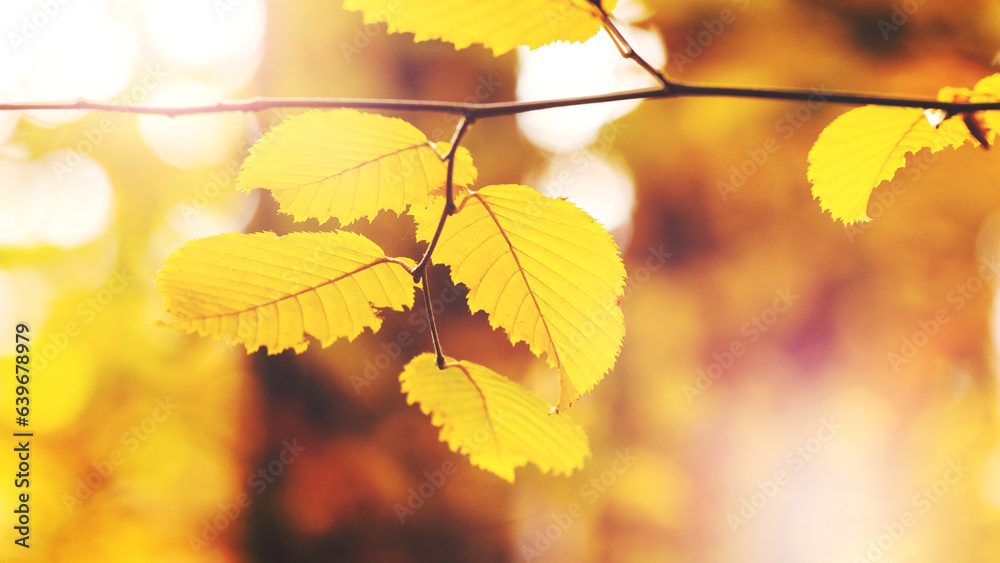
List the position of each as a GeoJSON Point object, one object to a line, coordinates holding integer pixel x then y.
{"type": "Point", "coordinates": [192, 141]}
{"type": "Point", "coordinates": [988, 253]}
{"type": "Point", "coordinates": [605, 190]}
{"type": "Point", "coordinates": [8, 122]}
{"type": "Point", "coordinates": [14, 307]}
{"type": "Point", "coordinates": [824, 512]}
{"type": "Point", "coordinates": [224, 37]}
{"type": "Point", "coordinates": [197, 219]}
{"type": "Point", "coordinates": [78, 51]}
{"type": "Point", "coordinates": [64, 199]}
{"type": "Point", "coordinates": [564, 70]}
{"type": "Point", "coordinates": [8, 119]}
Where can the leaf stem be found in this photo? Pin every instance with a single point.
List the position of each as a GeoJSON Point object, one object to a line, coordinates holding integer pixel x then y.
{"type": "Point", "coordinates": [431, 322]}
{"type": "Point", "coordinates": [449, 205]}
{"type": "Point", "coordinates": [456, 140]}
{"type": "Point", "coordinates": [419, 269]}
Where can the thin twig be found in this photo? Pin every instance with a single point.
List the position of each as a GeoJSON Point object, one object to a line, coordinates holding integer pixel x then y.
{"type": "Point", "coordinates": [628, 52]}
{"type": "Point", "coordinates": [456, 139]}
{"type": "Point", "coordinates": [449, 205]}
{"type": "Point", "coordinates": [418, 270]}
{"type": "Point", "coordinates": [431, 323]}
{"type": "Point", "coordinates": [249, 105]}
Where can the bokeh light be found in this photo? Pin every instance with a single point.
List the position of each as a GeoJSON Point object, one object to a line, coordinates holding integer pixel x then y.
{"type": "Point", "coordinates": [718, 379]}
{"type": "Point", "coordinates": [600, 185]}
{"type": "Point", "coordinates": [191, 141]}
{"type": "Point", "coordinates": [564, 70]}
{"type": "Point", "coordinates": [72, 50]}
{"type": "Point", "coordinates": [224, 38]}
{"type": "Point", "coordinates": [64, 199]}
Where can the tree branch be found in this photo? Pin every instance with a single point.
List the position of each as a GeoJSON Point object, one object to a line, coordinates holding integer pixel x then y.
{"type": "Point", "coordinates": [474, 111]}
{"type": "Point", "coordinates": [249, 105]}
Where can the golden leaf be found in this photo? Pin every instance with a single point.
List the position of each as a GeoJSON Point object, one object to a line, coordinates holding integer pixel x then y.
{"type": "Point", "coordinates": [265, 290]}
{"type": "Point", "coordinates": [866, 146]}
{"type": "Point", "coordinates": [348, 165]}
{"type": "Point", "coordinates": [499, 424]}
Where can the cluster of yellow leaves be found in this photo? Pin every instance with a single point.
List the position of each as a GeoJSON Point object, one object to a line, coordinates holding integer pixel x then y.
{"type": "Point", "coordinates": [543, 270]}
{"type": "Point", "coordinates": [866, 146]}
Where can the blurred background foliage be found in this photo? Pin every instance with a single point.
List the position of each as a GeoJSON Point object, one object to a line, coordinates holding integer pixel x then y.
{"type": "Point", "coordinates": [789, 389]}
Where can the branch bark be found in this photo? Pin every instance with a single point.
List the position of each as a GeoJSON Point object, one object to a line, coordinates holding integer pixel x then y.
{"type": "Point", "coordinates": [473, 111]}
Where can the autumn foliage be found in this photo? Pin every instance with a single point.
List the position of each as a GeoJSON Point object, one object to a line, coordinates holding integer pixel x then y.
{"type": "Point", "coordinates": [417, 338]}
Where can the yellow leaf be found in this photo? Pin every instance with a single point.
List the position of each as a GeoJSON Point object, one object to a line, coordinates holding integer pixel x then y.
{"type": "Point", "coordinates": [545, 272]}
{"type": "Point", "coordinates": [348, 165]}
{"type": "Point", "coordinates": [500, 25]}
{"type": "Point", "coordinates": [427, 216]}
{"type": "Point", "coordinates": [265, 290]}
{"type": "Point", "coordinates": [866, 146]}
{"type": "Point", "coordinates": [499, 424]}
